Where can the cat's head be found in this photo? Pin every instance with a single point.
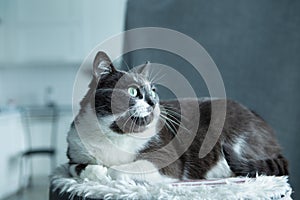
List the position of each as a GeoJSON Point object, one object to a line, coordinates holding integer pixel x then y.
{"type": "Point", "coordinates": [126, 101]}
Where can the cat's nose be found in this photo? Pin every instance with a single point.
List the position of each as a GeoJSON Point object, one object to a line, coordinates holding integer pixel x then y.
{"type": "Point", "coordinates": [150, 101]}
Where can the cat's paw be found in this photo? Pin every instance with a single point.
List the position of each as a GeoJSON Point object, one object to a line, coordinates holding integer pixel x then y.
{"type": "Point", "coordinates": [117, 173]}
{"type": "Point", "coordinates": [141, 171]}
{"type": "Point", "coordinates": [94, 173]}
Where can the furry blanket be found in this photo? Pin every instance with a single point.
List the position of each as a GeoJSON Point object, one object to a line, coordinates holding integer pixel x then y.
{"type": "Point", "coordinates": [262, 187]}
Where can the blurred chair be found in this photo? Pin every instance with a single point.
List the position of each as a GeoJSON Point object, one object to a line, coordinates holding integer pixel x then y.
{"type": "Point", "coordinates": [31, 115]}
{"type": "Point", "coordinates": [255, 45]}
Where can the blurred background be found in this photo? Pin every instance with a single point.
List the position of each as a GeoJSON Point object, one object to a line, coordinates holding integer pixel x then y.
{"type": "Point", "coordinates": [42, 44]}
{"type": "Point", "coordinates": [255, 44]}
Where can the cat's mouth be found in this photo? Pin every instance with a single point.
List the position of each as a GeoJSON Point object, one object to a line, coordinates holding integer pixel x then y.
{"type": "Point", "coordinates": [141, 116]}
{"type": "Point", "coordinates": [142, 121]}
{"type": "Point", "coordinates": [134, 121]}
{"type": "Point", "coordinates": [141, 112]}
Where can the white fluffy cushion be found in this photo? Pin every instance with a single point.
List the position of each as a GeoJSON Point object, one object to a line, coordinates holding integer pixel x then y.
{"type": "Point", "coordinates": [262, 187]}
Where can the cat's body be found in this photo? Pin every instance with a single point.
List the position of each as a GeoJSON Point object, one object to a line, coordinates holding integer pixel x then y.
{"type": "Point", "coordinates": [154, 149]}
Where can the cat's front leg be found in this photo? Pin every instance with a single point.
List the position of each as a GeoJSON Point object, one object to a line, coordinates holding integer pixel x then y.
{"type": "Point", "coordinates": [96, 173]}
{"type": "Point", "coordinates": [140, 170]}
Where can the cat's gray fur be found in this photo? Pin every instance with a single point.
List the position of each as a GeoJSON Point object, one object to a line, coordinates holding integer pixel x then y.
{"type": "Point", "coordinates": [246, 147]}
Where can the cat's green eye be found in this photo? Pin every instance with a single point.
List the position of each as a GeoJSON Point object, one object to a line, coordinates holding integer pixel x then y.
{"type": "Point", "coordinates": [132, 91]}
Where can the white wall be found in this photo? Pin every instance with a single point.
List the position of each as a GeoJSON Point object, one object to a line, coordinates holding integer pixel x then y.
{"type": "Point", "coordinates": [26, 85]}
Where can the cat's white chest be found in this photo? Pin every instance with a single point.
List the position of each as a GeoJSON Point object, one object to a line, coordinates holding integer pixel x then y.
{"type": "Point", "coordinates": [118, 150]}
{"type": "Point", "coordinates": [94, 141]}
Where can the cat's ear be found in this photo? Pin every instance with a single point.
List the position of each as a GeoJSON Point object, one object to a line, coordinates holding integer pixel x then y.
{"type": "Point", "coordinates": [144, 69]}
{"type": "Point", "coordinates": [102, 65]}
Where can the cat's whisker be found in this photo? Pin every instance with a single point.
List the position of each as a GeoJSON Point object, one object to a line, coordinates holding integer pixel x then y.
{"type": "Point", "coordinates": [132, 122]}
{"type": "Point", "coordinates": [151, 71]}
{"type": "Point", "coordinates": [152, 78]}
{"type": "Point", "coordinates": [168, 122]}
{"type": "Point", "coordinates": [128, 119]}
{"type": "Point", "coordinates": [139, 127]}
{"type": "Point", "coordinates": [168, 126]}
{"type": "Point", "coordinates": [174, 116]}
{"type": "Point", "coordinates": [158, 78]}
{"type": "Point", "coordinates": [171, 120]}
{"type": "Point", "coordinates": [131, 126]}
{"type": "Point", "coordinates": [173, 112]}
{"type": "Point", "coordinates": [176, 120]}
{"type": "Point", "coordinates": [168, 109]}
{"type": "Point", "coordinates": [178, 123]}
{"type": "Point", "coordinates": [172, 129]}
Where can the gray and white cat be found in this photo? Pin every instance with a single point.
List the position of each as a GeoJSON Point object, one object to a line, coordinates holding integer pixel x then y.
{"type": "Point", "coordinates": [123, 126]}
